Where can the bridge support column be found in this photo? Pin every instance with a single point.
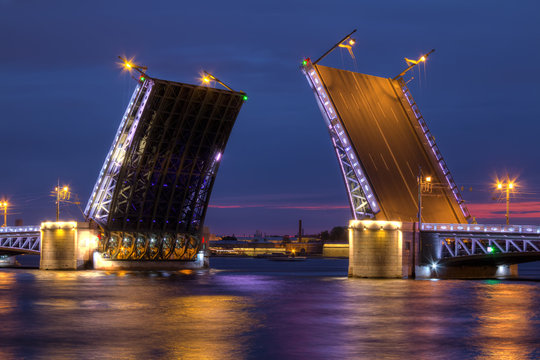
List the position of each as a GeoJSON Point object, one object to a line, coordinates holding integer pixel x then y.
{"type": "Point", "coordinates": [67, 245]}
{"type": "Point", "coordinates": [380, 249]}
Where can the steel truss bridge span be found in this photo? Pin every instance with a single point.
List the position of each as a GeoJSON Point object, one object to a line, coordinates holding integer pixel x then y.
{"type": "Point", "coordinates": [153, 190]}
{"type": "Point", "coordinates": [16, 240]}
{"type": "Point", "coordinates": [467, 244]}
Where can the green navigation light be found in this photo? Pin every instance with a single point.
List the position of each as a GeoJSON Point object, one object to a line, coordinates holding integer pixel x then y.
{"type": "Point", "coordinates": [304, 62]}
{"type": "Point", "coordinates": [245, 97]}
{"type": "Point", "coordinates": [142, 78]}
{"type": "Point", "coordinates": [490, 249]}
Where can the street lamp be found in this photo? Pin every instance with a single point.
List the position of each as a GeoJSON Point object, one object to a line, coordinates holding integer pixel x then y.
{"type": "Point", "coordinates": [424, 185]}
{"type": "Point", "coordinates": [4, 204]}
{"type": "Point", "coordinates": [507, 186]}
{"type": "Point", "coordinates": [61, 194]}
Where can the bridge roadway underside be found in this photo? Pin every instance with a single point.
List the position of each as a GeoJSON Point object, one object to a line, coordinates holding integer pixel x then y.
{"type": "Point", "coordinates": [492, 259]}
{"type": "Point", "coordinates": [380, 125]}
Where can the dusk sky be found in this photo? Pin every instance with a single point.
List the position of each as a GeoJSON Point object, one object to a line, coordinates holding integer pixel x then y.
{"type": "Point", "coordinates": [62, 96]}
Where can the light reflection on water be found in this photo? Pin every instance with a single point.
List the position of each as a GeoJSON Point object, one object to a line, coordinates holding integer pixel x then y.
{"type": "Point", "coordinates": [254, 308]}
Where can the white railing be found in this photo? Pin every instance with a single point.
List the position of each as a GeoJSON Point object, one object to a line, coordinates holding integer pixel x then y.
{"type": "Point", "coordinates": [482, 228]}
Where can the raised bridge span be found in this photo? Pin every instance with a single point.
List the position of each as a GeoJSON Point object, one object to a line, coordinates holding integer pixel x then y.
{"type": "Point", "coordinates": [381, 141]}
{"type": "Point", "coordinates": [385, 150]}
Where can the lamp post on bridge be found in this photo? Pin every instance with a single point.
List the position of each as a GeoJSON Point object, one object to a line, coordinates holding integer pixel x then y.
{"type": "Point", "coordinates": [507, 187]}
{"type": "Point", "coordinates": [4, 204]}
{"type": "Point", "coordinates": [424, 185]}
{"type": "Point", "coordinates": [62, 194]}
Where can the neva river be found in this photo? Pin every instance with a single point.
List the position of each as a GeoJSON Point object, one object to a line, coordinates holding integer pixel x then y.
{"type": "Point", "coordinates": [247, 308]}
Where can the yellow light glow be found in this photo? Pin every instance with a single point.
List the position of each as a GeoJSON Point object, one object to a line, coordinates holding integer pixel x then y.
{"type": "Point", "coordinates": [499, 186]}
{"type": "Point", "coordinates": [352, 42]}
{"type": "Point", "coordinates": [375, 224]}
{"type": "Point", "coordinates": [59, 225]}
{"type": "Point", "coordinates": [428, 178]}
{"type": "Point", "coordinates": [65, 188]}
{"type": "Point", "coordinates": [423, 58]}
{"type": "Point", "coordinates": [128, 65]}
{"type": "Point", "coordinates": [206, 79]}
{"type": "Point", "coordinates": [511, 185]}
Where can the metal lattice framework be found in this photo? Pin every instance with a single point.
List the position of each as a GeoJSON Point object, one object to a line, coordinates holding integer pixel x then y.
{"type": "Point", "coordinates": [20, 239]}
{"type": "Point", "coordinates": [431, 145]}
{"type": "Point", "coordinates": [153, 190]}
{"type": "Point", "coordinates": [487, 242]}
{"type": "Point", "coordinates": [361, 197]}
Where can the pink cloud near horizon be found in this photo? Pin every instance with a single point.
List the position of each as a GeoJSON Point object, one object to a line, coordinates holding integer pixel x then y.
{"type": "Point", "coordinates": [521, 210]}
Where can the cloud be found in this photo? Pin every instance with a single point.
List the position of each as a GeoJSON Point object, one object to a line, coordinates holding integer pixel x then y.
{"type": "Point", "coordinates": [521, 210]}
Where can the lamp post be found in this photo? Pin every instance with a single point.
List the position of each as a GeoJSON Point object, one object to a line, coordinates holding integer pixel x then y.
{"type": "Point", "coordinates": [507, 186]}
{"type": "Point", "coordinates": [424, 185]}
{"type": "Point", "coordinates": [61, 193]}
{"type": "Point", "coordinates": [4, 204]}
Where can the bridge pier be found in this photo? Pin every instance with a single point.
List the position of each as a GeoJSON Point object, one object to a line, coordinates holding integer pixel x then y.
{"type": "Point", "coordinates": [67, 245]}
{"type": "Point", "coordinates": [380, 249]}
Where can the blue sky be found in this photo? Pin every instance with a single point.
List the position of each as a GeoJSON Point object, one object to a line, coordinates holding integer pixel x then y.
{"type": "Point", "coordinates": [62, 95]}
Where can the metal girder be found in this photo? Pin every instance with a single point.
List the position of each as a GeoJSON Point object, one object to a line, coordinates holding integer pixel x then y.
{"type": "Point", "coordinates": [119, 245]}
{"type": "Point", "coordinates": [462, 240]}
{"type": "Point", "coordinates": [458, 246]}
{"type": "Point", "coordinates": [98, 206]}
{"type": "Point", "coordinates": [360, 192]}
{"type": "Point", "coordinates": [20, 239]}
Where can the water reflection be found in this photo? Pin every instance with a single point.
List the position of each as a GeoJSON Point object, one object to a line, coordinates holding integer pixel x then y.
{"type": "Point", "coordinates": [263, 313]}
{"type": "Point", "coordinates": [505, 321]}
{"type": "Point", "coordinates": [119, 315]}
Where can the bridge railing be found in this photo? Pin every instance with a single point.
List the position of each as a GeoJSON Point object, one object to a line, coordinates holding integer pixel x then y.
{"type": "Point", "coordinates": [481, 228]}
{"type": "Point", "coordinates": [19, 229]}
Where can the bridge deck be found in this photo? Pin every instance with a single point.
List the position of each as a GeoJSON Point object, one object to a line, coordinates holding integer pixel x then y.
{"type": "Point", "coordinates": [380, 125]}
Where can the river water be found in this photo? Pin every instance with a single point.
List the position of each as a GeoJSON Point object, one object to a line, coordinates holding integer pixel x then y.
{"type": "Point", "coordinates": [247, 308]}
